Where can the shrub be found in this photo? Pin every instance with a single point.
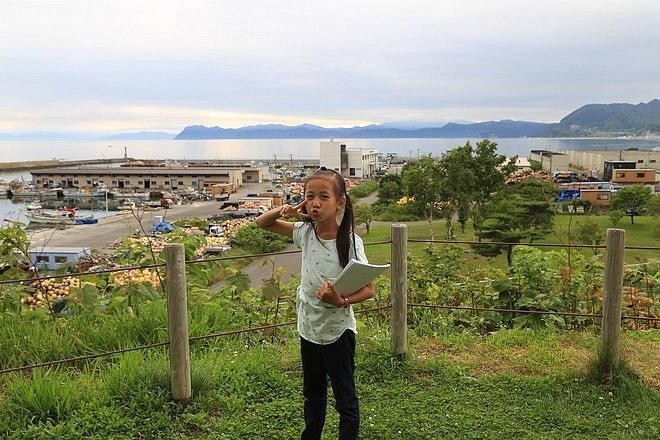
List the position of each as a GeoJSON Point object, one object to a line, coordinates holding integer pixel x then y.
{"type": "Point", "coordinates": [259, 241]}
{"type": "Point", "coordinates": [363, 189]}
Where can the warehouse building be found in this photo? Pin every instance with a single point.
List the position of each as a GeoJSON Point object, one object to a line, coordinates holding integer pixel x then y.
{"type": "Point", "coordinates": [169, 178]}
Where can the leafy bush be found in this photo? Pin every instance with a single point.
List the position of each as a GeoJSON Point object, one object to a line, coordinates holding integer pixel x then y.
{"type": "Point", "coordinates": [395, 213]}
{"type": "Point", "coordinates": [259, 241]}
{"type": "Point", "coordinates": [363, 189]}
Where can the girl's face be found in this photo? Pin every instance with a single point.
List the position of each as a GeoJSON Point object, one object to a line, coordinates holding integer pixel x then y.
{"type": "Point", "coordinates": [321, 201]}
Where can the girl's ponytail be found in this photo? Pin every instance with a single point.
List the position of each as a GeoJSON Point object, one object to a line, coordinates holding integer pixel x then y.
{"type": "Point", "coordinates": [346, 233]}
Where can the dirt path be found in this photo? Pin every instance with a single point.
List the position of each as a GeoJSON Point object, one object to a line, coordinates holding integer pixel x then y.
{"type": "Point", "coordinates": [262, 269]}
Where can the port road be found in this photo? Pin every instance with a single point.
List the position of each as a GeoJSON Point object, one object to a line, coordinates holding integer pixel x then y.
{"type": "Point", "coordinates": [115, 227]}
{"type": "Point", "coordinates": [109, 229]}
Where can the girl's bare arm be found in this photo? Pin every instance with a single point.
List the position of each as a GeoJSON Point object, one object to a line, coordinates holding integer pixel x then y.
{"type": "Point", "coordinates": [270, 220]}
{"type": "Point", "coordinates": [327, 294]}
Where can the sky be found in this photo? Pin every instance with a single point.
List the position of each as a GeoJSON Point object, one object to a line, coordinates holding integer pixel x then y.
{"type": "Point", "coordinates": [160, 65]}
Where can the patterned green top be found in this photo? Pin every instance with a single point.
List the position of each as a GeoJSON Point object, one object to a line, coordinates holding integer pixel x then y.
{"type": "Point", "coordinates": [318, 322]}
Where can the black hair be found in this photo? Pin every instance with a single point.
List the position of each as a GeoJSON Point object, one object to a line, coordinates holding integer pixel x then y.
{"type": "Point", "coordinates": [346, 230]}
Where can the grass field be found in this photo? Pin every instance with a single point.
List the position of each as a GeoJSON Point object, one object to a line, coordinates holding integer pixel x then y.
{"type": "Point", "coordinates": [510, 384]}
{"type": "Point", "coordinates": [638, 234]}
{"type": "Point", "coordinates": [452, 384]}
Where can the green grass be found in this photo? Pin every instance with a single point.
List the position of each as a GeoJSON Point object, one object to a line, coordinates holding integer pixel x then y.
{"type": "Point", "coordinates": [510, 384]}
{"type": "Point", "coordinates": [638, 234]}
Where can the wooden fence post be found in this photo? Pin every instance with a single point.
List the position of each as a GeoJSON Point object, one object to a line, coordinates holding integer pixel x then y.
{"type": "Point", "coordinates": [177, 322]}
{"type": "Point", "coordinates": [399, 273]}
{"type": "Point", "coordinates": [615, 244]}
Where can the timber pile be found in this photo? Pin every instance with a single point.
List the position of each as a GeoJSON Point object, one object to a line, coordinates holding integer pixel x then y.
{"type": "Point", "coordinates": [525, 174]}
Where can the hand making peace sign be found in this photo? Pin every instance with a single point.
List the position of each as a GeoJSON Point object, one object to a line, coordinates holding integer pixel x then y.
{"type": "Point", "coordinates": [293, 211]}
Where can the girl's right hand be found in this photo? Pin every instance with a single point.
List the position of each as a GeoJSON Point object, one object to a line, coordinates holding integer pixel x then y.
{"type": "Point", "coordinates": [293, 211]}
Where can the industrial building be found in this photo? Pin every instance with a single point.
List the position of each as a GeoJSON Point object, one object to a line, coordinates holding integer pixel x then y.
{"type": "Point", "coordinates": [349, 162]}
{"type": "Point", "coordinates": [168, 178]}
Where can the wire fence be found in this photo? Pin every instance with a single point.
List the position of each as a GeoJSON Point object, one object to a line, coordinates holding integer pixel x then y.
{"type": "Point", "coordinates": [38, 277]}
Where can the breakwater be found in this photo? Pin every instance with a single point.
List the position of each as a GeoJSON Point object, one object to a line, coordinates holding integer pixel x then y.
{"type": "Point", "coordinates": [54, 163]}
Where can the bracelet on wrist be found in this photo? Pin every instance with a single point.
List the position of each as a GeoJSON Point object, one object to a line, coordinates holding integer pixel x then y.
{"type": "Point", "coordinates": [346, 303]}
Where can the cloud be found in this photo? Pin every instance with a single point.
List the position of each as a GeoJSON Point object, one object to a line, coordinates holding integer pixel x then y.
{"type": "Point", "coordinates": [119, 65]}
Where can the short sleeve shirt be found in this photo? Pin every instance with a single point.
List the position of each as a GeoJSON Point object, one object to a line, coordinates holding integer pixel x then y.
{"type": "Point", "coordinates": [318, 322]}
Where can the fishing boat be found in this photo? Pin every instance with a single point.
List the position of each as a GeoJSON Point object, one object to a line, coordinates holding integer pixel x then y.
{"type": "Point", "coordinates": [47, 218]}
{"type": "Point", "coordinates": [33, 206]}
{"type": "Point", "coordinates": [62, 217]}
{"type": "Point", "coordinates": [127, 206]}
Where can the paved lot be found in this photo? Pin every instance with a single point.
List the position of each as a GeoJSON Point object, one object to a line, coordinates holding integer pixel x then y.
{"type": "Point", "coordinates": [115, 227]}
{"type": "Point", "coordinates": [112, 228]}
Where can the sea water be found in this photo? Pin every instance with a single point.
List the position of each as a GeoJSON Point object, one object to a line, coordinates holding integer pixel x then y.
{"type": "Point", "coordinates": [288, 149]}
{"type": "Point", "coordinates": [283, 150]}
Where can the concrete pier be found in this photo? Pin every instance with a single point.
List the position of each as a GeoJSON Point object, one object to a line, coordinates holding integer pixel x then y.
{"type": "Point", "coordinates": [41, 164]}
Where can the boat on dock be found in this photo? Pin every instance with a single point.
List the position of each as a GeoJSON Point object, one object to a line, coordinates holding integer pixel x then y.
{"type": "Point", "coordinates": [62, 217]}
{"type": "Point", "coordinates": [46, 218]}
{"type": "Point", "coordinates": [33, 206]}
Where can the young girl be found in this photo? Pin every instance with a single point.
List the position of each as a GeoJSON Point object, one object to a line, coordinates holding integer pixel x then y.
{"type": "Point", "coordinates": [326, 324]}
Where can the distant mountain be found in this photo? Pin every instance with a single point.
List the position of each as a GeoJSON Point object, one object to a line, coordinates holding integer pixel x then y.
{"type": "Point", "coordinates": [492, 129]}
{"type": "Point", "coordinates": [589, 120]}
{"type": "Point", "coordinates": [139, 136]}
{"type": "Point", "coordinates": [611, 119]}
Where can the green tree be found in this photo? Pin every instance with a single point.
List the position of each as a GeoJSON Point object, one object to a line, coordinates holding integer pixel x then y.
{"type": "Point", "coordinates": [615, 216]}
{"type": "Point", "coordinates": [390, 189]}
{"type": "Point", "coordinates": [631, 200]}
{"type": "Point", "coordinates": [470, 176]}
{"type": "Point", "coordinates": [521, 214]}
{"type": "Point", "coordinates": [588, 232]}
{"type": "Point", "coordinates": [458, 184]}
{"type": "Point", "coordinates": [653, 206]}
{"type": "Point", "coordinates": [423, 184]}
{"type": "Point", "coordinates": [364, 214]}
{"type": "Point", "coordinates": [490, 171]}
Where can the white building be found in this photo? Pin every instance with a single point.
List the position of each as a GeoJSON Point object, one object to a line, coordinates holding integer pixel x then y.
{"type": "Point", "coordinates": [349, 162]}
{"type": "Point", "coordinates": [53, 258]}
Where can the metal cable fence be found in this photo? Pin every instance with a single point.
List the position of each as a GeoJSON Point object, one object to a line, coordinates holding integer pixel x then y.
{"type": "Point", "coordinates": [649, 319]}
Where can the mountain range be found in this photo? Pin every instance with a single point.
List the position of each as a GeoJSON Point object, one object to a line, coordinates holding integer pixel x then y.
{"type": "Point", "coordinates": [591, 120]}
{"type": "Point", "coordinates": [587, 121]}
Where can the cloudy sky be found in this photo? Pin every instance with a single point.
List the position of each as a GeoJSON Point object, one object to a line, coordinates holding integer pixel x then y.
{"type": "Point", "coordinates": [109, 66]}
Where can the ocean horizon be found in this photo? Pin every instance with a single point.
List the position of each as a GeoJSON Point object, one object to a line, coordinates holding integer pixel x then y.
{"type": "Point", "coordinates": [289, 149]}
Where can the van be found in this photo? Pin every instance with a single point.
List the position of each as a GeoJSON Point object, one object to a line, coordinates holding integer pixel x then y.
{"type": "Point", "coordinates": [216, 231]}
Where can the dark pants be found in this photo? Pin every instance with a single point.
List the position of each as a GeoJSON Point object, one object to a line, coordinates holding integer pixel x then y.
{"type": "Point", "coordinates": [337, 362]}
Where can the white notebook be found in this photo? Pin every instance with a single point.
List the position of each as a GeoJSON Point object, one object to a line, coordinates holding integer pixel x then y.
{"type": "Point", "coordinates": [356, 275]}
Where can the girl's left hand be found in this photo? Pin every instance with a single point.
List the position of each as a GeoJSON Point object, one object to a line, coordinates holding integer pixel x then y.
{"type": "Point", "coordinates": [328, 295]}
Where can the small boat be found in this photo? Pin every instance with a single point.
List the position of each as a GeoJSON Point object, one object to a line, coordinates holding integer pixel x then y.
{"type": "Point", "coordinates": [127, 206]}
{"type": "Point", "coordinates": [48, 219]}
{"type": "Point", "coordinates": [86, 220]}
{"type": "Point", "coordinates": [33, 206]}
{"type": "Point", "coordinates": [63, 217]}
